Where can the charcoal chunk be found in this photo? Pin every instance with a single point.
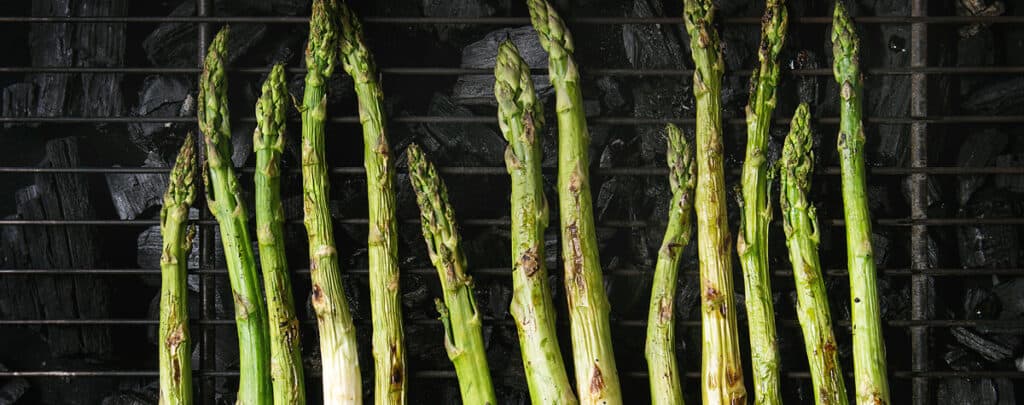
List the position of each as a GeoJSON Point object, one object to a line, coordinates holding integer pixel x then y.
{"type": "Point", "coordinates": [174, 44]}
{"type": "Point", "coordinates": [990, 350]}
{"type": "Point", "coordinates": [997, 98]}
{"type": "Point", "coordinates": [978, 150]}
{"type": "Point", "coordinates": [479, 88]}
{"type": "Point", "coordinates": [12, 389]}
{"type": "Point", "coordinates": [989, 245]}
{"type": "Point", "coordinates": [162, 96]}
{"type": "Point", "coordinates": [1010, 182]}
{"type": "Point", "coordinates": [649, 45]}
{"type": "Point", "coordinates": [135, 193]}
{"type": "Point", "coordinates": [975, 391]}
{"type": "Point", "coordinates": [19, 100]}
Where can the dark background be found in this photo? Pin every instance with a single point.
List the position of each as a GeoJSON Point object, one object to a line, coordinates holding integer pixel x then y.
{"type": "Point", "coordinates": [80, 298]}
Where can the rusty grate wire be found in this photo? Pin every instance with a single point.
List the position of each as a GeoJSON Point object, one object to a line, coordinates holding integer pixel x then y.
{"type": "Point", "coordinates": [921, 373]}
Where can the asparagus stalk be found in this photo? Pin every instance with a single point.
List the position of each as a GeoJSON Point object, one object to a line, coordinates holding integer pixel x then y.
{"type": "Point", "coordinates": [868, 346]}
{"type": "Point", "coordinates": [382, 246]}
{"type": "Point", "coordinates": [662, 367]}
{"type": "Point", "coordinates": [800, 223]}
{"type": "Point", "coordinates": [721, 368]}
{"type": "Point", "coordinates": [752, 241]}
{"type": "Point", "coordinates": [341, 378]}
{"type": "Point", "coordinates": [227, 206]}
{"type": "Point", "coordinates": [597, 380]}
{"type": "Point", "coordinates": [268, 142]}
{"type": "Point", "coordinates": [520, 116]}
{"type": "Point", "coordinates": [175, 346]}
{"type": "Point", "coordinates": [459, 315]}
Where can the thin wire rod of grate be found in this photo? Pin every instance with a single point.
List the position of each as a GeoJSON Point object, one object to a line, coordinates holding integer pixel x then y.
{"type": "Point", "coordinates": [921, 289]}
{"type": "Point", "coordinates": [351, 119]}
{"type": "Point", "coordinates": [501, 171]}
{"type": "Point", "coordinates": [820, 20]}
{"type": "Point", "coordinates": [450, 71]}
{"type": "Point", "coordinates": [205, 239]}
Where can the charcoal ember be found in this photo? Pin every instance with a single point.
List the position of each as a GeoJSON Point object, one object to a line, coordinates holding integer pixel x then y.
{"type": "Point", "coordinates": [652, 45]}
{"type": "Point", "coordinates": [1010, 182]}
{"type": "Point", "coordinates": [132, 392]}
{"type": "Point", "coordinates": [1011, 301]}
{"type": "Point", "coordinates": [12, 389]}
{"type": "Point", "coordinates": [135, 193]}
{"type": "Point", "coordinates": [989, 245]}
{"type": "Point", "coordinates": [975, 391]}
{"type": "Point", "coordinates": [19, 100]}
{"type": "Point", "coordinates": [888, 95]}
{"type": "Point", "coordinates": [610, 94]}
{"type": "Point", "coordinates": [162, 96]}
{"type": "Point", "coordinates": [978, 8]}
{"type": "Point", "coordinates": [100, 45]}
{"type": "Point", "coordinates": [63, 196]}
{"type": "Point", "coordinates": [460, 8]}
{"type": "Point", "coordinates": [18, 299]}
{"type": "Point", "coordinates": [959, 359]}
{"type": "Point", "coordinates": [1001, 97]}
{"type": "Point", "coordinates": [990, 350]}
{"type": "Point", "coordinates": [978, 150]}
{"type": "Point", "coordinates": [462, 144]}
{"type": "Point", "coordinates": [980, 303]}
{"type": "Point", "coordinates": [975, 50]}
{"type": "Point", "coordinates": [174, 44]}
{"type": "Point", "coordinates": [893, 300]}
{"type": "Point", "coordinates": [881, 246]}
{"type": "Point", "coordinates": [50, 45]}
{"type": "Point", "coordinates": [479, 88]}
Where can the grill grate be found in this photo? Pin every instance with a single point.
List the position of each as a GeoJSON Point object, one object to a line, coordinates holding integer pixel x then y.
{"type": "Point", "coordinates": [920, 327]}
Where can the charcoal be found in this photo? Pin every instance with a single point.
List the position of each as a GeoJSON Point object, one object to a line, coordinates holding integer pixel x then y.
{"type": "Point", "coordinates": [988, 246]}
{"type": "Point", "coordinates": [50, 46]}
{"type": "Point", "coordinates": [162, 96]}
{"type": "Point", "coordinates": [888, 95]}
{"type": "Point", "coordinates": [959, 359]}
{"type": "Point", "coordinates": [174, 44]}
{"type": "Point", "coordinates": [100, 45]}
{"type": "Point", "coordinates": [64, 247]}
{"type": "Point", "coordinates": [1011, 299]}
{"type": "Point", "coordinates": [456, 145]}
{"type": "Point", "coordinates": [19, 100]}
{"type": "Point", "coordinates": [18, 299]}
{"type": "Point", "coordinates": [610, 94]}
{"type": "Point", "coordinates": [980, 304]}
{"type": "Point", "coordinates": [460, 8]}
{"type": "Point", "coordinates": [649, 45]}
{"type": "Point", "coordinates": [1010, 182]}
{"type": "Point", "coordinates": [881, 246]}
{"type": "Point", "coordinates": [135, 193]}
{"type": "Point", "coordinates": [975, 391]}
{"type": "Point", "coordinates": [11, 389]}
{"type": "Point", "coordinates": [479, 88]}
{"type": "Point", "coordinates": [990, 350]}
{"type": "Point", "coordinates": [997, 98]}
{"type": "Point", "coordinates": [978, 8]}
{"type": "Point", "coordinates": [978, 150]}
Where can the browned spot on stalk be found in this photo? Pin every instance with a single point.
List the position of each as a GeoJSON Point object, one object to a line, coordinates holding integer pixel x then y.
{"type": "Point", "coordinates": [665, 310]}
{"type": "Point", "coordinates": [596, 380]}
{"type": "Point", "coordinates": [733, 376]}
{"type": "Point", "coordinates": [528, 262]}
{"type": "Point", "coordinates": [576, 251]}
{"type": "Point", "coordinates": [396, 368]}
{"type": "Point", "coordinates": [529, 128]}
{"type": "Point", "coordinates": [318, 295]}
{"type": "Point", "coordinates": [673, 248]}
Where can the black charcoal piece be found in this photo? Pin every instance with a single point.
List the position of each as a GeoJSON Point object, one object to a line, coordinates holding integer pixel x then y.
{"type": "Point", "coordinates": [12, 389]}
{"type": "Point", "coordinates": [1010, 182]}
{"type": "Point", "coordinates": [459, 8]}
{"type": "Point", "coordinates": [162, 96]}
{"type": "Point", "coordinates": [989, 349]}
{"type": "Point", "coordinates": [100, 45]}
{"type": "Point", "coordinates": [50, 46]}
{"type": "Point", "coordinates": [1000, 97]}
{"type": "Point", "coordinates": [462, 144]}
{"type": "Point", "coordinates": [479, 88]}
{"type": "Point", "coordinates": [652, 46]}
{"type": "Point", "coordinates": [19, 100]}
{"type": "Point", "coordinates": [174, 44]}
{"type": "Point", "coordinates": [135, 193]}
{"type": "Point", "coordinates": [988, 245]}
{"type": "Point", "coordinates": [975, 391]}
{"type": "Point", "coordinates": [978, 150]}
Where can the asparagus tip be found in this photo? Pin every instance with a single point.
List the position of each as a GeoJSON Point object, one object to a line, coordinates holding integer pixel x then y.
{"type": "Point", "coordinates": [845, 45]}
{"type": "Point", "coordinates": [797, 160]}
{"type": "Point", "coordinates": [513, 89]}
{"type": "Point", "coordinates": [182, 188]}
{"type": "Point", "coordinates": [554, 36]}
{"type": "Point", "coordinates": [322, 48]}
{"type": "Point", "coordinates": [682, 170]}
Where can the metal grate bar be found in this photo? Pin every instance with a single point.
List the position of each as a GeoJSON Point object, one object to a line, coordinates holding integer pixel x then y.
{"type": "Point", "coordinates": [413, 119]}
{"type": "Point", "coordinates": [922, 305]}
{"type": "Point", "coordinates": [207, 247]}
{"type": "Point", "coordinates": [204, 19]}
{"type": "Point", "coordinates": [454, 71]}
{"type": "Point", "coordinates": [501, 171]}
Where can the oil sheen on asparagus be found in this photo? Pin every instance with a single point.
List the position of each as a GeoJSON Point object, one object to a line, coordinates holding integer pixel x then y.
{"type": "Point", "coordinates": [800, 223]}
{"type": "Point", "coordinates": [721, 366]}
{"type": "Point", "coordinates": [520, 116]}
{"type": "Point", "coordinates": [597, 380]}
{"type": "Point", "coordinates": [868, 347]}
{"type": "Point", "coordinates": [463, 337]}
{"type": "Point", "coordinates": [175, 345]}
{"type": "Point", "coordinates": [268, 143]}
{"type": "Point", "coordinates": [226, 204]}
{"type": "Point", "coordinates": [382, 244]}
{"type": "Point", "coordinates": [752, 238]}
{"type": "Point", "coordinates": [340, 361]}
{"type": "Point", "coordinates": [662, 367]}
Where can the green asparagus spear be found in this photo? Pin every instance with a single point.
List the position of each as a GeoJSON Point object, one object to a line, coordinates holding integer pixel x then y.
{"type": "Point", "coordinates": [175, 346]}
{"type": "Point", "coordinates": [462, 328]}
{"type": "Point", "coordinates": [868, 346]}
{"type": "Point", "coordinates": [597, 380]}
{"type": "Point", "coordinates": [227, 206]}
{"type": "Point", "coordinates": [662, 367]}
{"type": "Point", "coordinates": [521, 116]}
{"type": "Point", "coordinates": [386, 304]}
{"type": "Point", "coordinates": [721, 368]}
{"type": "Point", "coordinates": [752, 241]}
{"type": "Point", "coordinates": [341, 378]}
{"type": "Point", "coordinates": [801, 225]}
{"type": "Point", "coordinates": [268, 143]}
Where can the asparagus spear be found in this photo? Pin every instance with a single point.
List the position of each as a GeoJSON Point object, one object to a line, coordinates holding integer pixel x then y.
{"type": "Point", "coordinates": [721, 369]}
{"type": "Point", "coordinates": [386, 308]}
{"type": "Point", "coordinates": [268, 143]}
{"type": "Point", "coordinates": [752, 241]}
{"type": "Point", "coordinates": [459, 315]}
{"type": "Point", "coordinates": [227, 206]}
{"type": "Point", "coordinates": [520, 117]}
{"type": "Point", "coordinates": [175, 346]}
{"type": "Point", "coordinates": [597, 380]}
{"type": "Point", "coordinates": [800, 222]}
{"type": "Point", "coordinates": [662, 367]}
{"type": "Point", "coordinates": [868, 347]}
{"type": "Point", "coordinates": [338, 355]}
